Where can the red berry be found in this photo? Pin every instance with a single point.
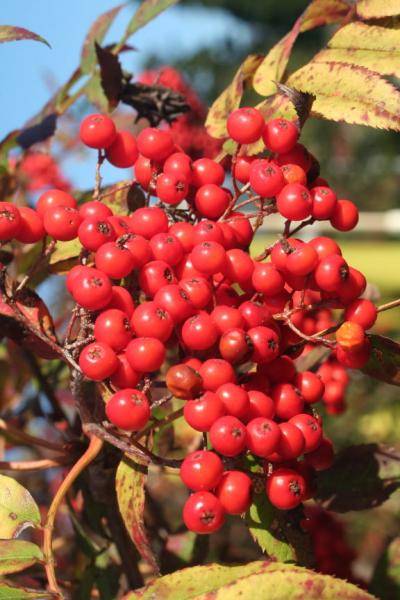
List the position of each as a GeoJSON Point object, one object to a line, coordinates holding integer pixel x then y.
{"type": "Point", "coordinates": [145, 354]}
{"type": "Point", "coordinates": [241, 225]}
{"type": "Point", "coordinates": [207, 171]}
{"type": "Point", "coordinates": [242, 168]}
{"type": "Point", "coordinates": [266, 178]}
{"type": "Point", "coordinates": [235, 346]}
{"type": "Point", "coordinates": [175, 301]}
{"type": "Point", "coordinates": [265, 342]}
{"type": "Point", "coordinates": [145, 172]}
{"type": "Point", "coordinates": [345, 215]}
{"type": "Point", "coordinates": [294, 202]}
{"type": "Point", "coordinates": [31, 228]}
{"type": "Point", "coordinates": [287, 399]}
{"type": "Point", "coordinates": [280, 135]}
{"type": "Point", "coordinates": [128, 409]}
{"type": "Point", "coordinates": [97, 131]}
{"type": "Point", "coordinates": [148, 221]}
{"type": "Point", "coordinates": [154, 275]}
{"type": "Point", "coordinates": [123, 151]}
{"type": "Point", "coordinates": [245, 125]}
{"type": "Point", "coordinates": [199, 332]}
{"type": "Point", "coordinates": [298, 155]}
{"type": "Point", "coordinates": [95, 210]}
{"type": "Point", "coordinates": [91, 289]}
{"type": "Point", "coordinates": [302, 261]}
{"type": "Point", "coordinates": [321, 458]}
{"type": "Point", "coordinates": [310, 386]}
{"type": "Point", "coordinates": [62, 222]}
{"type": "Point", "coordinates": [166, 247]}
{"type": "Point", "coordinates": [203, 513]}
{"type": "Point", "coordinates": [235, 399]}
{"type": "Point", "coordinates": [331, 272]}
{"type": "Point", "coordinates": [291, 443]}
{"type": "Point", "coordinates": [114, 260]}
{"type": "Point", "coordinates": [285, 488]}
{"type": "Point", "coordinates": [198, 290]}
{"type": "Point", "coordinates": [228, 436]}
{"type": "Point", "coordinates": [139, 247]}
{"type": "Point", "coordinates": [211, 201]}
{"type": "Point", "coordinates": [238, 267]}
{"type": "Point", "coordinates": [280, 370]}
{"type": "Point", "coordinates": [124, 376]}
{"type": "Point", "coordinates": [323, 202]}
{"type": "Point", "coordinates": [263, 436]}
{"type": "Point", "coordinates": [179, 164]}
{"type": "Point", "coordinates": [310, 428]}
{"type": "Point", "coordinates": [149, 320]}
{"type": "Point", "coordinates": [234, 492]}
{"type": "Point", "coordinates": [98, 361]}
{"type": "Point", "coordinates": [122, 300]}
{"type": "Point", "coordinates": [93, 233]}
{"type": "Point", "coordinates": [260, 405]}
{"type": "Point", "coordinates": [226, 317]}
{"type": "Point", "coordinates": [356, 359]}
{"type": "Point", "coordinates": [155, 144]}
{"type": "Point", "coordinates": [215, 372]}
{"type": "Point", "coordinates": [201, 470]}
{"type": "Point", "coordinates": [208, 257]}
{"type": "Point", "coordinates": [267, 279]}
{"type": "Point", "coordinates": [202, 412]}
{"type": "Point", "coordinates": [171, 188]}
{"type": "Point", "coordinates": [184, 232]}
{"type": "Point", "coordinates": [52, 198]}
{"type": "Point", "coordinates": [361, 311]}
{"type": "Point", "coordinates": [112, 327]}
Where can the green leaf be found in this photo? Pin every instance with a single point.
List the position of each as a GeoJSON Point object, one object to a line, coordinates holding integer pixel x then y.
{"type": "Point", "coordinates": [188, 583]}
{"type": "Point", "coordinates": [17, 555]}
{"type": "Point", "coordinates": [361, 477]}
{"type": "Point", "coordinates": [349, 93]}
{"type": "Point", "coordinates": [376, 48]}
{"type": "Point", "coordinates": [371, 9]}
{"type": "Point", "coordinates": [18, 509]}
{"type": "Point", "coordinates": [96, 33]}
{"type": "Point", "coordinates": [64, 256]}
{"type": "Point", "coordinates": [269, 580]}
{"type": "Point", "coordinates": [231, 97]}
{"type": "Point", "coordinates": [9, 33]}
{"type": "Point", "coordinates": [95, 93]}
{"type": "Point", "coordinates": [148, 10]}
{"type": "Point", "coordinates": [384, 360]}
{"type": "Point", "coordinates": [129, 484]}
{"type": "Point", "coordinates": [386, 578]}
{"type": "Point", "coordinates": [10, 592]}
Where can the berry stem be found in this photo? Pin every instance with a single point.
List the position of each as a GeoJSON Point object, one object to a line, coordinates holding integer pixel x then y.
{"type": "Point", "coordinates": [388, 305]}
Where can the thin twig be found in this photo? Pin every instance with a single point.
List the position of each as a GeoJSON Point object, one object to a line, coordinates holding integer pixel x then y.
{"type": "Point", "coordinates": [30, 440]}
{"type": "Point", "coordinates": [35, 465]}
{"type": "Point", "coordinates": [388, 305]}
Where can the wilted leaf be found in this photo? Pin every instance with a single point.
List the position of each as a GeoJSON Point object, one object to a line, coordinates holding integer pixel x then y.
{"type": "Point", "coordinates": [376, 48]}
{"type": "Point", "coordinates": [65, 252]}
{"type": "Point", "coordinates": [361, 477]}
{"type": "Point", "coordinates": [371, 9]}
{"type": "Point", "coordinates": [17, 555]}
{"type": "Point", "coordinates": [9, 33]}
{"type": "Point", "coordinates": [188, 583]}
{"type": "Point", "coordinates": [384, 361]}
{"type": "Point", "coordinates": [302, 102]}
{"type": "Point", "coordinates": [231, 97]}
{"type": "Point", "coordinates": [323, 12]}
{"type": "Point", "coordinates": [386, 578]}
{"type": "Point", "coordinates": [35, 310]}
{"type": "Point", "coordinates": [96, 33]}
{"type": "Point", "coordinates": [148, 10]}
{"type": "Point", "coordinates": [95, 93]}
{"type": "Point", "coordinates": [18, 509]}
{"type": "Point", "coordinates": [110, 74]}
{"type": "Point", "coordinates": [38, 133]}
{"type": "Point", "coordinates": [129, 484]}
{"type": "Point", "coordinates": [272, 580]}
{"type": "Point", "coordinates": [10, 592]}
{"type": "Point", "coordinates": [349, 93]}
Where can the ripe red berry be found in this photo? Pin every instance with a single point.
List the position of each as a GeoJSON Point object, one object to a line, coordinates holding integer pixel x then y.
{"type": "Point", "coordinates": [206, 170]}
{"type": "Point", "coordinates": [52, 198]}
{"type": "Point", "coordinates": [145, 172]}
{"type": "Point", "coordinates": [331, 272]}
{"type": "Point", "coordinates": [199, 332]}
{"type": "Point", "coordinates": [98, 361]}
{"type": "Point", "coordinates": [139, 247]}
{"type": "Point", "coordinates": [112, 327]}
{"type": "Point", "coordinates": [128, 409]}
{"type": "Point", "coordinates": [122, 300]}
{"type": "Point", "coordinates": [95, 210]}
{"type": "Point", "coordinates": [267, 279]}
{"type": "Point", "coordinates": [201, 470]}
{"type": "Point", "coordinates": [294, 202]}
{"type": "Point", "coordinates": [260, 405]}
{"type": "Point", "coordinates": [280, 135]}
{"type": "Point", "coordinates": [291, 444]}
{"type": "Point", "coordinates": [154, 275]}
{"type": "Point", "coordinates": [280, 370]}
{"type": "Point", "coordinates": [62, 222]}
{"type": "Point", "coordinates": [184, 232]}
{"type": "Point", "coordinates": [239, 266]}
{"type": "Point", "coordinates": [302, 261]}
{"type": "Point", "coordinates": [171, 188]}
{"type": "Point", "coordinates": [285, 488]}
{"type": "Point", "coordinates": [120, 225]}
{"type": "Point", "coordinates": [310, 428]}
{"type": "Point", "coordinates": [323, 202]}
{"type": "Point", "coordinates": [235, 399]}
{"type": "Point", "coordinates": [148, 221]}
{"type": "Point", "coordinates": [203, 513]}
{"type": "Point", "coordinates": [242, 168]}
{"type": "Point", "coordinates": [208, 257]}
{"type": "Point", "coordinates": [215, 372]}
{"type": "Point", "coordinates": [124, 376]}
{"type": "Point", "coordinates": [245, 125]}
{"type": "Point", "coordinates": [321, 458]}
{"type": "Point", "coordinates": [10, 221]}
{"type": "Point", "coordinates": [298, 155]}
{"type": "Point", "coordinates": [198, 290]}
{"type": "Point", "coordinates": [263, 436]}
{"type": "Point", "coordinates": [91, 289]}
{"type": "Point", "coordinates": [150, 320]}
{"type": "Point", "coordinates": [228, 436]}
{"type": "Point", "coordinates": [265, 343]}
{"type": "Point", "coordinates": [97, 131]}
{"type": "Point", "coordinates": [310, 386]}
{"type": "Point", "coordinates": [287, 399]}
{"type": "Point", "coordinates": [345, 215]}
{"type": "Point", "coordinates": [235, 346]}
{"type": "Point", "coordinates": [114, 260]}
{"type": "Point", "coordinates": [361, 311]}
{"type": "Point", "coordinates": [93, 233]}
{"type": "Point", "coordinates": [123, 151]}
{"type": "Point", "coordinates": [179, 164]}
{"type": "Point", "coordinates": [234, 492]}
{"type": "Point", "coordinates": [166, 247]}
{"type": "Point", "coordinates": [202, 412]}
{"type": "Point", "coordinates": [211, 201]}
{"type": "Point", "coordinates": [31, 228]}
{"type": "Point", "coordinates": [266, 178]}
{"type": "Point", "coordinates": [226, 317]}
{"type": "Point", "coordinates": [241, 225]}
{"type": "Point", "coordinates": [155, 144]}
{"type": "Point", "coordinates": [175, 301]}
{"type": "Point", "coordinates": [145, 354]}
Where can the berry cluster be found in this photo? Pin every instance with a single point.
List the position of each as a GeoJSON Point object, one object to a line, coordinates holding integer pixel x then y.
{"type": "Point", "coordinates": [174, 299]}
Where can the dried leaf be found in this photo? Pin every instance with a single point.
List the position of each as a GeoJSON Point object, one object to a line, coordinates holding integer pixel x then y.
{"type": "Point", "coordinates": [17, 555]}
{"type": "Point", "coordinates": [371, 9]}
{"type": "Point", "coordinates": [9, 33]}
{"type": "Point", "coordinates": [302, 102]}
{"type": "Point", "coordinates": [349, 93]}
{"type": "Point", "coordinates": [18, 510]}
{"type": "Point", "coordinates": [129, 484]}
{"type": "Point", "coordinates": [148, 10]}
{"type": "Point", "coordinates": [231, 97]}
{"type": "Point", "coordinates": [96, 33]}
{"type": "Point", "coordinates": [384, 361]}
{"type": "Point", "coordinates": [110, 74]}
{"type": "Point", "coordinates": [373, 47]}
{"type": "Point", "coordinates": [361, 477]}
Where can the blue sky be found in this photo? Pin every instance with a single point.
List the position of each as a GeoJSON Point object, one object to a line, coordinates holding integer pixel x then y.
{"type": "Point", "coordinates": [29, 71]}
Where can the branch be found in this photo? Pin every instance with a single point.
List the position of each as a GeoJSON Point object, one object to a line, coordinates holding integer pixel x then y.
{"type": "Point", "coordinates": [35, 465]}
{"type": "Point", "coordinates": [30, 440]}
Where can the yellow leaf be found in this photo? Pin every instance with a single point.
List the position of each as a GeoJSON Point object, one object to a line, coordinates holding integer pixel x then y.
{"type": "Point", "coordinates": [349, 93]}
{"type": "Point", "coordinates": [376, 48]}
{"type": "Point", "coordinates": [230, 97]}
{"type": "Point", "coordinates": [323, 12]}
{"type": "Point", "coordinates": [369, 9]}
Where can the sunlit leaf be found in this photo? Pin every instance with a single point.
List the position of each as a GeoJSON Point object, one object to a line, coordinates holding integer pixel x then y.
{"type": "Point", "coordinates": [349, 93]}
{"type": "Point", "coordinates": [231, 97]}
{"type": "Point", "coordinates": [376, 48]}
{"type": "Point", "coordinates": [11, 592]}
{"type": "Point", "coordinates": [18, 509]}
{"type": "Point", "coordinates": [129, 484]}
{"type": "Point", "coordinates": [65, 252]}
{"type": "Point", "coordinates": [96, 33]}
{"type": "Point", "coordinates": [370, 9]}
{"type": "Point", "coordinates": [361, 477]}
{"type": "Point", "coordinates": [17, 555]}
{"type": "Point", "coordinates": [323, 12]}
{"type": "Point", "coordinates": [148, 10]}
{"type": "Point", "coordinates": [384, 361]}
{"type": "Point", "coordinates": [9, 33]}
